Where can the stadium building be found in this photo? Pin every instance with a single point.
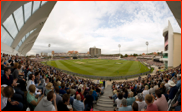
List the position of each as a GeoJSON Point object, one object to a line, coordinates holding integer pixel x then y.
{"type": "Point", "coordinates": [172, 47]}
{"type": "Point", "coordinates": [95, 52]}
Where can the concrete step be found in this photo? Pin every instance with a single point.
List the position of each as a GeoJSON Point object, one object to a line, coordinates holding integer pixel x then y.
{"type": "Point", "coordinates": [104, 96]}
{"type": "Point", "coordinates": [105, 100]}
{"type": "Point", "coordinates": [103, 108]}
{"type": "Point", "coordinates": [105, 105]}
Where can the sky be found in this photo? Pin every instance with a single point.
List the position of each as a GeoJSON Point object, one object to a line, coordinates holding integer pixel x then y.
{"type": "Point", "coordinates": [79, 25]}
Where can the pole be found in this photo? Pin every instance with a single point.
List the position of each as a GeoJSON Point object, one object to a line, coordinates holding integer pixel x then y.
{"type": "Point", "coordinates": [119, 50]}
{"type": "Point", "coordinates": [147, 49]}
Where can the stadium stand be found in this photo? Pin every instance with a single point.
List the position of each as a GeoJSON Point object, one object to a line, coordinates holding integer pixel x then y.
{"type": "Point", "coordinates": [29, 85]}
{"type": "Point", "coordinates": [41, 81]}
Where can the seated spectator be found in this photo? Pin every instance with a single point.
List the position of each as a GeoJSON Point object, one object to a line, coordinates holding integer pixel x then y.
{"type": "Point", "coordinates": [16, 75]}
{"type": "Point", "coordinates": [134, 106]}
{"type": "Point", "coordinates": [89, 101]}
{"type": "Point", "coordinates": [49, 87]}
{"type": "Point", "coordinates": [124, 106]}
{"type": "Point", "coordinates": [80, 93]}
{"type": "Point", "coordinates": [178, 85]}
{"type": "Point", "coordinates": [59, 84]}
{"type": "Point", "coordinates": [46, 81]}
{"type": "Point", "coordinates": [46, 103]}
{"type": "Point", "coordinates": [150, 105]}
{"type": "Point", "coordinates": [58, 97]}
{"type": "Point", "coordinates": [146, 91]}
{"type": "Point", "coordinates": [118, 100]}
{"type": "Point", "coordinates": [63, 105]}
{"type": "Point", "coordinates": [94, 94]}
{"type": "Point", "coordinates": [71, 98]}
{"type": "Point", "coordinates": [160, 98]}
{"type": "Point", "coordinates": [152, 90]}
{"type": "Point", "coordinates": [6, 103]}
{"type": "Point", "coordinates": [30, 82]}
{"type": "Point", "coordinates": [29, 72]}
{"type": "Point", "coordinates": [125, 93]}
{"type": "Point", "coordinates": [141, 104]}
{"type": "Point", "coordinates": [62, 90]}
{"type": "Point", "coordinates": [130, 99]}
{"type": "Point", "coordinates": [7, 79]}
{"type": "Point", "coordinates": [67, 87]}
{"type": "Point", "coordinates": [172, 92]}
{"type": "Point", "coordinates": [115, 95]}
{"type": "Point", "coordinates": [38, 82]}
{"type": "Point", "coordinates": [72, 90]}
{"type": "Point", "coordinates": [31, 98]}
{"type": "Point", "coordinates": [166, 84]}
{"type": "Point", "coordinates": [77, 104]}
{"type": "Point", "coordinates": [137, 90]}
{"type": "Point", "coordinates": [162, 88]}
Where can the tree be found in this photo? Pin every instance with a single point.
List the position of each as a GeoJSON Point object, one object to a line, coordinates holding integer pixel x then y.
{"type": "Point", "coordinates": [125, 55]}
{"type": "Point", "coordinates": [135, 54]}
{"type": "Point", "coordinates": [121, 56]}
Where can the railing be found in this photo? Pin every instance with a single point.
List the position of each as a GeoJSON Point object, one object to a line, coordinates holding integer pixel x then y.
{"type": "Point", "coordinates": [101, 77]}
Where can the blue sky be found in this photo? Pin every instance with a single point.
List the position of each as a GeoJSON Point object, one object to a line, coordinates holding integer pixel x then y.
{"type": "Point", "coordinates": [77, 25]}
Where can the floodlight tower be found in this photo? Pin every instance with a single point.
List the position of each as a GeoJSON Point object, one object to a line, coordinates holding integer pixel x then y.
{"type": "Point", "coordinates": [119, 49]}
{"type": "Point", "coordinates": [147, 43]}
{"type": "Point", "coordinates": [49, 45]}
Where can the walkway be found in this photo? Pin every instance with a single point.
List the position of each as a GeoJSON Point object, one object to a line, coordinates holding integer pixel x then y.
{"type": "Point", "coordinates": [104, 103]}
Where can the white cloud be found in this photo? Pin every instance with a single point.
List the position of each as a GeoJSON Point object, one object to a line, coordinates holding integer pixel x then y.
{"type": "Point", "coordinates": [80, 25]}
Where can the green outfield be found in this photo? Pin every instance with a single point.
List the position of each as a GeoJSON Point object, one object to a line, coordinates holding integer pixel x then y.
{"type": "Point", "coordinates": [100, 67]}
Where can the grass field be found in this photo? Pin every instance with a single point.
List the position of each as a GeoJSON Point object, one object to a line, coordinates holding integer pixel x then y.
{"type": "Point", "coordinates": [100, 67]}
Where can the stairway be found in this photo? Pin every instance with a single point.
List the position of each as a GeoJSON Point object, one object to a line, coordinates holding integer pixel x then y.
{"type": "Point", "coordinates": [104, 103]}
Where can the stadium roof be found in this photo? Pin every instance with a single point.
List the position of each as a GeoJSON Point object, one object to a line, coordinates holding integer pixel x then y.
{"type": "Point", "coordinates": [21, 23]}
{"type": "Point", "coordinates": [175, 7]}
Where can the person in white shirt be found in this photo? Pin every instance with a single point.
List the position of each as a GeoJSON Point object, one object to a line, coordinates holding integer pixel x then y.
{"type": "Point", "coordinates": [98, 81]}
{"type": "Point", "coordinates": [30, 82]}
{"type": "Point", "coordinates": [6, 103]}
{"type": "Point", "coordinates": [118, 100]}
{"type": "Point", "coordinates": [141, 104]}
{"type": "Point", "coordinates": [145, 91]}
{"type": "Point", "coordinates": [167, 85]}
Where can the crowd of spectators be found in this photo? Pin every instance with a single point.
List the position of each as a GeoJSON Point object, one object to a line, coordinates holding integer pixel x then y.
{"type": "Point", "coordinates": [151, 63]}
{"type": "Point", "coordinates": [151, 93]}
{"type": "Point", "coordinates": [29, 83]}
{"type": "Point", "coordinates": [109, 57]}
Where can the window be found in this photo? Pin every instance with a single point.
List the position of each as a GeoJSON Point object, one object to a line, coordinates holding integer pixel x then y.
{"type": "Point", "coordinates": [18, 14]}
{"type": "Point", "coordinates": [17, 47]}
{"type": "Point", "coordinates": [165, 55]}
{"type": "Point", "coordinates": [36, 5]}
{"type": "Point", "coordinates": [27, 10]}
{"type": "Point", "coordinates": [9, 24]}
{"type": "Point", "coordinates": [27, 35]}
{"type": "Point", "coordinates": [23, 39]}
{"type": "Point", "coordinates": [5, 37]}
{"type": "Point", "coordinates": [20, 43]}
